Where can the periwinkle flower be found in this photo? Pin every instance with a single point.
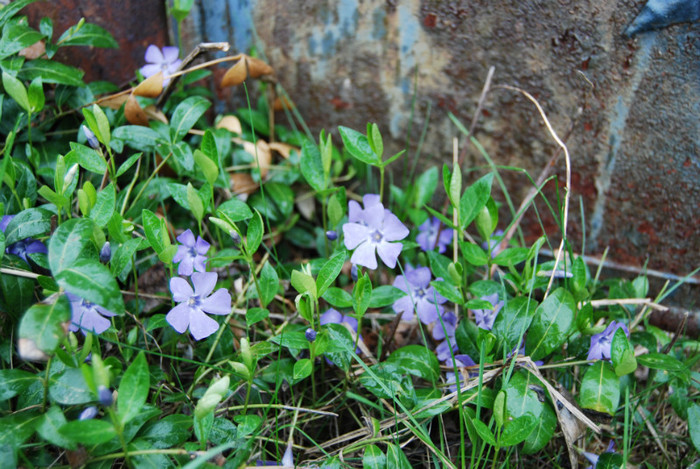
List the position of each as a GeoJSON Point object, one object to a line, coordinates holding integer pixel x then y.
{"type": "Point", "coordinates": [446, 327]}
{"type": "Point", "coordinates": [486, 317]}
{"type": "Point", "coordinates": [601, 343]}
{"type": "Point", "coordinates": [24, 247]}
{"type": "Point", "coordinates": [105, 252]}
{"type": "Point", "coordinates": [421, 296]}
{"type": "Point", "coordinates": [430, 235]}
{"type": "Point", "coordinates": [460, 361]}
{"type": "Point", "coordinates": [88, 414]}
{"type": "Point", "coordinates": [373, 231]}
{"type": "Point", "coordinates": [194, 304]}
{"type": "Point", "coordinates": [446, 349]}
{"type": "Point", "coordinates": [593, 458]}
{"type": "Point", "coordinates": [88, 316]}
{"type": "Point", "coordinates": [166, 61]}
{"type": "Point", "coordinates": [190, 254]}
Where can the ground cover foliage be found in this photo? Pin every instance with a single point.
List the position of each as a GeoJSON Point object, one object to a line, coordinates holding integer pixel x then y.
{"type": "Point", "coordinates": [181, 288]}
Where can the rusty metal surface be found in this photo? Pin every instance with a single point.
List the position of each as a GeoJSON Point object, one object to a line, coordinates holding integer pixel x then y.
{"type": "Point", "coordinates": [134, 24]}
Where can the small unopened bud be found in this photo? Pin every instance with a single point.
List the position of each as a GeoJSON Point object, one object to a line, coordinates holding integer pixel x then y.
{"type": "Point", "coordinates": [104, 395]}
{"type": "Point", "coordinates": [91, 139]}
{"type": "Point", "coordinates": [310, 334]}
{"type": "Point", "coordinates": [235, 237]}
{"type": "Point", "coordinates": [70, 175]}
{"type": "Point", "coordinates": [88, 413]}
{"type": "Point", "coordinates": [105, 252]}
{"type": "Point", "coordinates": [353, 272]}
{"type": "Point", "coordinates": [332, 235]}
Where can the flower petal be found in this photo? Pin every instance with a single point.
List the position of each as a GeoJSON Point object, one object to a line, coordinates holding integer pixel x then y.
{"type": "Point", "coordinates": [217, 303]}
{"type": "Point", "coordinates": [419, 277]}
{"type": "Point", "coordinates": [149, 70]}
{"type": "Point", "coordinates": [198, 263]}
{"type": "Point", "coordinates": [332, 316]}
{"type": "Point", "coordinates": [92, 321]}
{"type": "Point", "coordinates": [170, 54]}
{"type": "Point", "coordinates": [181, 289]}
{"type": "Point", "coordinates": [404, 305]}
{"type": "Point", "coordinates": [201, 246]}
{"type": "Point", "coordinates": [365, 256]}
{"type": "Point", "coordinates": [374, 216]}
{"type": "Point", "coordinates": [401, 282]}
{"type": "Point", "coordinates": [201, 325]}
{"type": "Point", "coordinates": [354, 212]}
{"type": "Point", "coordinates": [428, 312]}
{"type": "Point", "coordinates": [204, 283]}
{"type": "Point", "coordinates": [187, 238]}
{"type": "Point", "coordinates": [182, 252]}
{"type": "Point", "coordinates": [389, 252]}
{"type": "Point", "coordinates": [179, 317]}
{"type": "Point", "coordinates": [370, 200]}
{"type": "Point", "coordinates": [393, 229]}
{"type": "Point", "coordinates": [186, 266]}
{"type": "Point", "coordinates": [354, 234]}
{"type": "Point", "coordinates": [154, 55]}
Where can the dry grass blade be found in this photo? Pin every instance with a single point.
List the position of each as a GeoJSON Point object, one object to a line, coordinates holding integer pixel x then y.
{"type": "Point", "coordinates": [235, 75]}
{"type": "Point", "coordinates": [133, 112]}
{"type": "Point", "coordinates": [151, 87]}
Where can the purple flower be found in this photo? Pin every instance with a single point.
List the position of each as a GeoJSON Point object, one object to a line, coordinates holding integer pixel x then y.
{"type": "Point", "coordinates": [446, 349]}
{"type": "Point", "coordinates": [372, 231]}
{"type": "Point", "coordinates": [332, 316]}
{"type": "Point", "coordinates": [166, 61]}
{"type": "Point", "coordinates": [194, 304]}
{"type": "Point", "coordinates": [446, 327]}
{"type": "Point", "coordinates": [430, 236]}
{"type": "Point", "coordinates": [601, 343]}
{"type": "Point", "coordinates": [190, 254]}
{"type": "Point", "coordinates": [421, 296]}
{"type": "Point", "coordinates": [593, 458]}
{"type": "Point", "coordinates": [22, 248]}
{"type": "Point", "coordinates": [460, 361]}
{"type": "Point", "coordinates": [88, 316]}
{"type": "Point", "coordinates": [88, 414]}
{"type": "Point", "coordinates": [485, 317]}
{"type": "Point", "coordinates": [104, 395]}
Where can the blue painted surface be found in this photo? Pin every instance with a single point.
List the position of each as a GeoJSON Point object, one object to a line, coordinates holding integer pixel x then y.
{"type": "Point", "coordinates": [241, 21]}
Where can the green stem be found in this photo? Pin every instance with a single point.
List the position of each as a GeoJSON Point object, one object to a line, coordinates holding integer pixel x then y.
{"type": "Point", "coordinates": [138, 196]}
{"type": "Point", "coordinates": [381, 184]}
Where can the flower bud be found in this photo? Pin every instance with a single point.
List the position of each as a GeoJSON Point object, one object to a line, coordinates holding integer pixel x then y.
{"type": "Point", "coordinates": [91, 139]}
{"type": "Point", "coordinates": [70, 175]}
{"type": "Point", "coordinates": [353, 272]}
{"type": "Point", "coordinates": [332, 235]}
{"type": "Point", "coordinates": [105, 252]}
{"type": "Point", "coordinates": [104, 395]}
{"type": "Point", "coordinates": [88, 413]}
{"type": "Point", "coordinates": [235, 237]}
{"type": "Point", "coordinates": [310, 334]}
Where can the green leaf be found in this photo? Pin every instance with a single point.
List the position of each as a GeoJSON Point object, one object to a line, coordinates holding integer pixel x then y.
{"type": "Point", "coordinates": [235, 210]}
{"type": "Point", "coordinates": [208, 167]}
{"type": "Point", "coordinates": [418, 361]}
{"type": "Point", "coordinates": [484, 432]}
{"type": "Point", "coordinates": [87, 34]}
{"type": "Point", "coordinates": [104, 206]}
{"type": "Point", "coordinates": [474, 200]}
{"type": "Point", "coordinates": [16, 37]}
{"type": "Point", "coordinates": [14, 381]}
{"type": "Point", "coordinates": [694, 425]}
{"type": "Point", "coordinates": [622, 354]}
{"type": "Point", "coordinates": [254, 234]}
{"type": "Point", "coordinates": [128, 163]}
{"type": "Point", "coordinates": [88, 432]}
{"type": "Point", "coordinates": [43, 324]}
{"type": "Point", "coordinates": [455, 188]}
{"type": "Point", "coordinates": [474, 254]}
{"type": "Point", "coordinates": [52, 72]}
{"type": "Point", "coordinates": [152, 228]}
{"type": "Point", "coordinates": [102, 131]}
{"type": "Point", "coordinates": [186, 114]}
{"type": "Point", "coordinates": [425, 187]}
{"type": "Point", "coordinates": [660, 361]}
{"type": "Point", "coordinates": [169, 431]}
{"type": "Point", "coordinates": [29, 223]}
{"type": "Point", "coordinates": [181, 8]}
{"type": "Point", "coordinates": [16, 428]}
{"type": "Point", "coordinates": [552, 324]}
{"type": "Point", "coordinates": [521, 399]}
{"type": "Point", "coordinates": [311, 166]}
{"type": "Point", "coordinates": [303, 283]}
{"type": "Point", "coordinates": [542, 431]}
{"type": "Point", "coordinates": [373, 458]}
{"type": "Point", "coordinates": [292, 340]}
{"type": "Point", "coordinates": [92, 281]}
{"type": "Point", "coordinates": [303, 368]}
{"type": "Point", "coordinates": [362, 294]}
{"type": "Point", "coordinates": [511, 256]}
{"type": "Point", "coordinates": [68, 387]}
{"type": "Point", "coordinates": [374, 138]}
{"type": "Point", "coordinates": [182, 153]}
{"type": "Point", "coordinates": [268, 284]}
{"type": "Point", "coordinates": [123, 255]}
{"type": "Point", "coordinates": [137, 137]}
{"type": "Point", "coordinates": [87, 158]}
{"type": "Point", "coordinates": [16, 90]}
{"type": "Point", "coordinates": [10, 9]}
{"type": "Point", "coordinates": [513, 320]}
{"type": "Point", "coordinates": [133, 389]}
{"type": "Point", "coordinates": [255, 315]}
{"type": "Point", "coordinates": [195, 202]}
{"type": "Point", "coordinates": [338, 297]}
{"type": "Point", "coordinates": [358, 146]}
{"type": "Point", "coordinates": [35, 93]}
{"type": "Point", "coordinates": [516, 430]}
{"type": "Point", "coordinates": [395, 457]}
{"type": "Point", "coordinates": [385, 295]}
{"type": "Point", "coordinates": [600, 388]}
{"type": "Point", "coordinates": [70, 242]}
{"type": "Point", "coordinates": [329, 272]}
{"type": "Point", "coordinates": [448, 290]}
{"type": "Point", "coordinates": [49, 425]}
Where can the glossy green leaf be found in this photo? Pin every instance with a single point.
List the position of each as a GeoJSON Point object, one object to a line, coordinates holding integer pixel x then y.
{"type": "Point", "coordinates": [303, 283]}
{"type": "Point", "coordinates": [474, 200]}
{"type": "Point", "coordinates": [425, 187]}
{"type": "Point", "coordinates": [35, 94]}
{"type": "Point", "coordinates": [235, 210]}
{"type": "Point", "coordinates": [395, 457]}
{"type": "Point", "coordinates": [520, 399]}
{"type": "Point", "coordinates": [600, 388]}
{"type": "Point", "coordinates": [70, 242]}
{"type": "Point", "coordinates": [255, 315]}
{"type": "Point", "coordinates": [29, 223]}
{"type": "Point", "coordinates": [182, 153]}
{"type": "Point", "coordinates": [660, 361]}
{"type": "Point", "coordinates": [68, 387]}
{"type": "Point", "coordinates": [373, 458]}
{"type": "Point", "coordinates": [92, 281]}
{"type": "Point", "coordinates": [358, 146]}
{"type": "Point", "coordinates": [303, 368]}
{"type": "Point", "coordinates": [87, 34]}
{"type": "Point", "coordinates": [105, 205]}
{"type": "Point", "coordinates": [622, 354]}
{"type": "Point", "coordinates": [542, 431]}
{"type": "Point", "coordinates": [694, 425]}
{"type": "Point", "coordinates": [52, 72]}
{"type": "Point", "coordinates": [449, 291]}
{"type": "Point", "coordinates": [515, 431]}
{"type": "Point", "coordinates": [186, 114]}
{"type": "Point", "coordinates": [153, 229]}
{"type": "Point", "coordinates": [329, 272]}
{"type": "Point", "coordinates": [133, 389]}
{"type": "Point", "coordinates": [43, 324]}
{"type": "Point", "coordinates": [553, 321]}
{"type": "Point", "coordinates": [208, 167]}
{"type": "Point", "coordinates": [511, 256]}
{"type": "Point", "coordinates": [254, 234]}
{"type": "Point", "coordinates": [268, 284]}
{"type": "Point", "coordinates": [362, 294]}
{"type": "Point", "coordinates": [49, 425]}
{"type": "Point", "coordinates": [338, 297]}
{"type": "Point", "coordinates": [11, 9]}
{"type": "Point", "coordinates": [16, 37]}
{"type": "Point", "coordinates": [14, 381]}
{"type": "Point", "coordinates": [15, 429]}
{"type": "Point", "coordinates": [137, 137]}
{"type": "Point", "coordinates": [16, 90]}
{"type": "Point", "coordinates": [484, 432]}
{"type": "Point", "coordinates": [474, 254]}
{"type": "Point", "coordinates": [292, 340]}
{"type": "Point", "coordinates": [169, 431]}
{"type": "Point", "coordinates": [195, 202]}
{"type": "Point", "coordinates": [311, 165]}
{"type": "Point", "coordinates": [385, 295]}
{"type": "Point", "coordinates": [416, 360]}
{"type": "Point", "coordinates": [513, 320]}
{"type": "Point", "coordinates": [88, 432]}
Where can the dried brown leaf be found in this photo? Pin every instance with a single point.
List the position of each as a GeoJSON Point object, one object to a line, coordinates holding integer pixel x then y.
{"type": "Point", "coordinates": [243, 183]}
{"type": "Point", "coordinates": [151, 87]}
{"type": "Point", "coordinates": [283, 149]}
{"type": "Point", "coordinates": [156, 114]}
{"type": "Point", "coordinates": [281, 103]}
{"type": "Point", "coordinates": [264, 157]}
{"type": "Point", "coordinates": [235, 75]}
{"type": "Point", "coordinates": [115, 102]}
{"type": "Point", "coordinates": [230, 123]}
{"type": "Point", "coordinates": [133, 112]}
{"type": "Point", "coordinates": [34, 51]}
{"type": "Point", "coordinates": [258, 68]}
